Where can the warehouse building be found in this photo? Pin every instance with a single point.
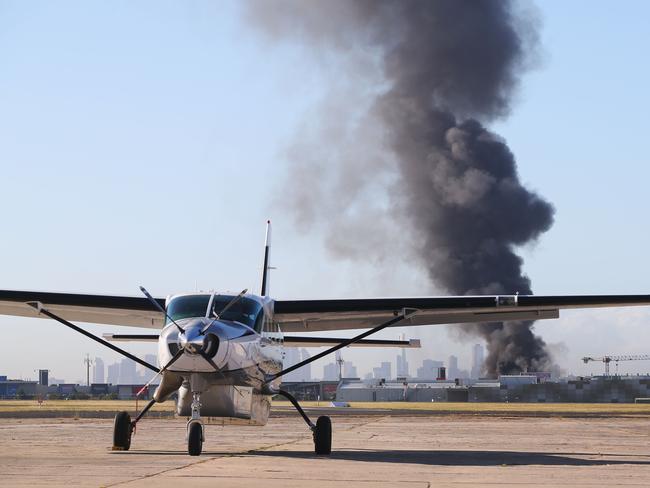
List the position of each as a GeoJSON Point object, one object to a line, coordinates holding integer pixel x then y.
{"type": "Point", "coordinates": [520, 388]}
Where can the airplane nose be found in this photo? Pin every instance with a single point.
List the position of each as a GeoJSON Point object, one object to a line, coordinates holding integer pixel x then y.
{"type": "Point", "coordinates": [194, 342]}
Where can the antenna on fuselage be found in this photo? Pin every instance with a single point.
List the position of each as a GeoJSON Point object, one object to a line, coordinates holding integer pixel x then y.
{"type": "Point", "coordinates": [267, 261]}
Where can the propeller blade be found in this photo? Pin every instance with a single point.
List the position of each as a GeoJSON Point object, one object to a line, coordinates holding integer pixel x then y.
{"type": "Point", "coordinates": [210, 361]}
{"type": "Point", "coordinates": [228, 305]}
{"type": "Point", "coordinates": [233, 301]}
{"type": "Point", "coordinates": [216, 368]}
{"type": "Point", "coordinates": [171, 361]}
{"type": "Point", "coordinates": [150, 404]}
{"type": "Point", "coordinates": [157, 305]}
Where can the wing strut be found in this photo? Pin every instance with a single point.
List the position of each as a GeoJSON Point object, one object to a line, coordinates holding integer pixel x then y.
{"type": "Point", "coordinates": [38, 306]}
{"type": "Point", "coordinates": [406, 313]}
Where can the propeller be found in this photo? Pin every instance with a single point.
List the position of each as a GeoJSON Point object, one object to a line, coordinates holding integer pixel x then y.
{"type": "Point", "coordinates": [207, 351]}
{"type": "Point", "coordinates": [210, 342]}
{"type": "Point", "coordinates": [157, 305]}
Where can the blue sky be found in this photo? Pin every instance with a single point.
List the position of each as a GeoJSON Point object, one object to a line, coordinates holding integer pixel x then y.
{"type": "Point", "coordinates": [142, 143]}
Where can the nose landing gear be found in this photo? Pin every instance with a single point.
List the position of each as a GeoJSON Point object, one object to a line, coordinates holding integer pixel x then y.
{"type": "Point", "coordinates": [195, 428]}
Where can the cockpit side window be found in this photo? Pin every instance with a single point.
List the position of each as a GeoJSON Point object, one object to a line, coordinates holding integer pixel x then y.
{"type": "Point", "coordinates": [259, 322]}
{"type": "Point", "coordinates": [245, 310]}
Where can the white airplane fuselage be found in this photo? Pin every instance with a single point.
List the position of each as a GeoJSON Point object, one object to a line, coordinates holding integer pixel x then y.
{"type": "Point", "coordinates": [227, 361]}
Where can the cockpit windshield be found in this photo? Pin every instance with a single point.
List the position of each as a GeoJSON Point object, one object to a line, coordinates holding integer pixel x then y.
{"type": "Point", "coordinates": [188, 306]}
{"type": "Point", "coordinates": [245, 310]}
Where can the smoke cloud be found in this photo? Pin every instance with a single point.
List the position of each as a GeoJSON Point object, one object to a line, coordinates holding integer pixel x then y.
{"type": "Point", "coordinates": [410, 149]}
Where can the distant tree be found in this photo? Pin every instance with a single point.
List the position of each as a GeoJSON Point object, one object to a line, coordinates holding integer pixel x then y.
{"type": "Point", "coordinates": [79, 396]}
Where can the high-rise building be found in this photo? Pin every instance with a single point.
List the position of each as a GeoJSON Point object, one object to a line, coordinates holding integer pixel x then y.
{"type": "Point", "coordinates": [113, 376]}
{"type": "Point", "coordinates": [452, 369]}
{"type": "Point", "coordinates": [306, 369]}
{"type": "Point", "coordinates": [383, 371]}
{"type": "Point", "coordinates": [144, 375]}
{"type": "Point", "coordinates": [402, 365]}
{"type": "Point", "coordinates": [43, 377]}
{"type": "Point", "coordinates": [127, 372]}
{"type": "Point", "coordinates": [98, 372]}
{"type": "Point", "coordinates": [294, 356]}
{"type": "Point", "coordinates": [331, 372]}
{"type": "Point", "coordinates": [478, 357]}
{"type": "Point", "coordinates": [349, 370]}
{"type": "Point", "coordinates": [429, 369]}
{"type": "Point", "coordinates": [291, 357]}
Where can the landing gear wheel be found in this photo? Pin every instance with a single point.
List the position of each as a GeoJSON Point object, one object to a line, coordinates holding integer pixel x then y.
{"type": "Point", "coordinates": [122, 432]}
{"type": "Point", "coordinates": [323, 435]}
{"type": "Point", "coordinates": [194, 438]}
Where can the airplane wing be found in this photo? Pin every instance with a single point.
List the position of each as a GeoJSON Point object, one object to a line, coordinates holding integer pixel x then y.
{"type": "Point", "coordinates": [97, 309]}
{"type": "Point", "coordinates": [324, 315]}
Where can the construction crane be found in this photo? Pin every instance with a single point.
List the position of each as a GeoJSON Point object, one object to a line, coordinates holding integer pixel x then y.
{"type": "Point", "coordinates": [616, 359]}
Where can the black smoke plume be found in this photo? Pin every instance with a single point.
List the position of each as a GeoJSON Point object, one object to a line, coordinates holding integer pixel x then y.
{"type": "Point", "coordinates": [446, 67]}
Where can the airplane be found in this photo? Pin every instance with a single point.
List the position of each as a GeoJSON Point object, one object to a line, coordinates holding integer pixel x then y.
{"type": "Point", "coordinates": [222, 354]}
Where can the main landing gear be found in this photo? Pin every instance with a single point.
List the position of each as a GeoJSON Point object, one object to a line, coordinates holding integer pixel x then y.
{"type": "Point", "coordinates": [321, 430]}
{"type": "Point", "coordinates": [123, 428]}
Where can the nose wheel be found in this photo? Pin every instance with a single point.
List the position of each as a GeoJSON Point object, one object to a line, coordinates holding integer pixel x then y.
{"type": "Point", "coordinates": [194, 438]}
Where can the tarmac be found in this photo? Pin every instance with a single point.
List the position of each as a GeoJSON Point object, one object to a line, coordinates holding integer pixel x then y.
{"type": "Point", "coordinates": [369, 450]}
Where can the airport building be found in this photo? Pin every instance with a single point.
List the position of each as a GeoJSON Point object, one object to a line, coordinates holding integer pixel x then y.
{"type": "Point", "coordinates": [516, 388]}
{"type": "Point", "coordinates": [314, 390]}
{"type": "Point", "coordinates": [18, 388]}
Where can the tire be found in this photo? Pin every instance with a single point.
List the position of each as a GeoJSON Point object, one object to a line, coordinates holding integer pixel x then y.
{"type": "Point", "coordinates": [194, 439]}
{"type": "Point", "coordinates": [323, 436]}
{"type": "Point", "coordinates": [122, 432]}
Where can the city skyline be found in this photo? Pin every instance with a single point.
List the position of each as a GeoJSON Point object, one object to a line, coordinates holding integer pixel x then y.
{"type": "Point", "coordinates": [126, 371]}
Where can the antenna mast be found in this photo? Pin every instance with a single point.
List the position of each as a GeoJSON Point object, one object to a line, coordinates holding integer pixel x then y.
{"type": "Point", "coordinates": [88, 363]}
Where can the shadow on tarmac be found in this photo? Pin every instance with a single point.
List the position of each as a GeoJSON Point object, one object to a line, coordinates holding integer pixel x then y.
{"type": "Point", "coordinates": [466, 458]}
